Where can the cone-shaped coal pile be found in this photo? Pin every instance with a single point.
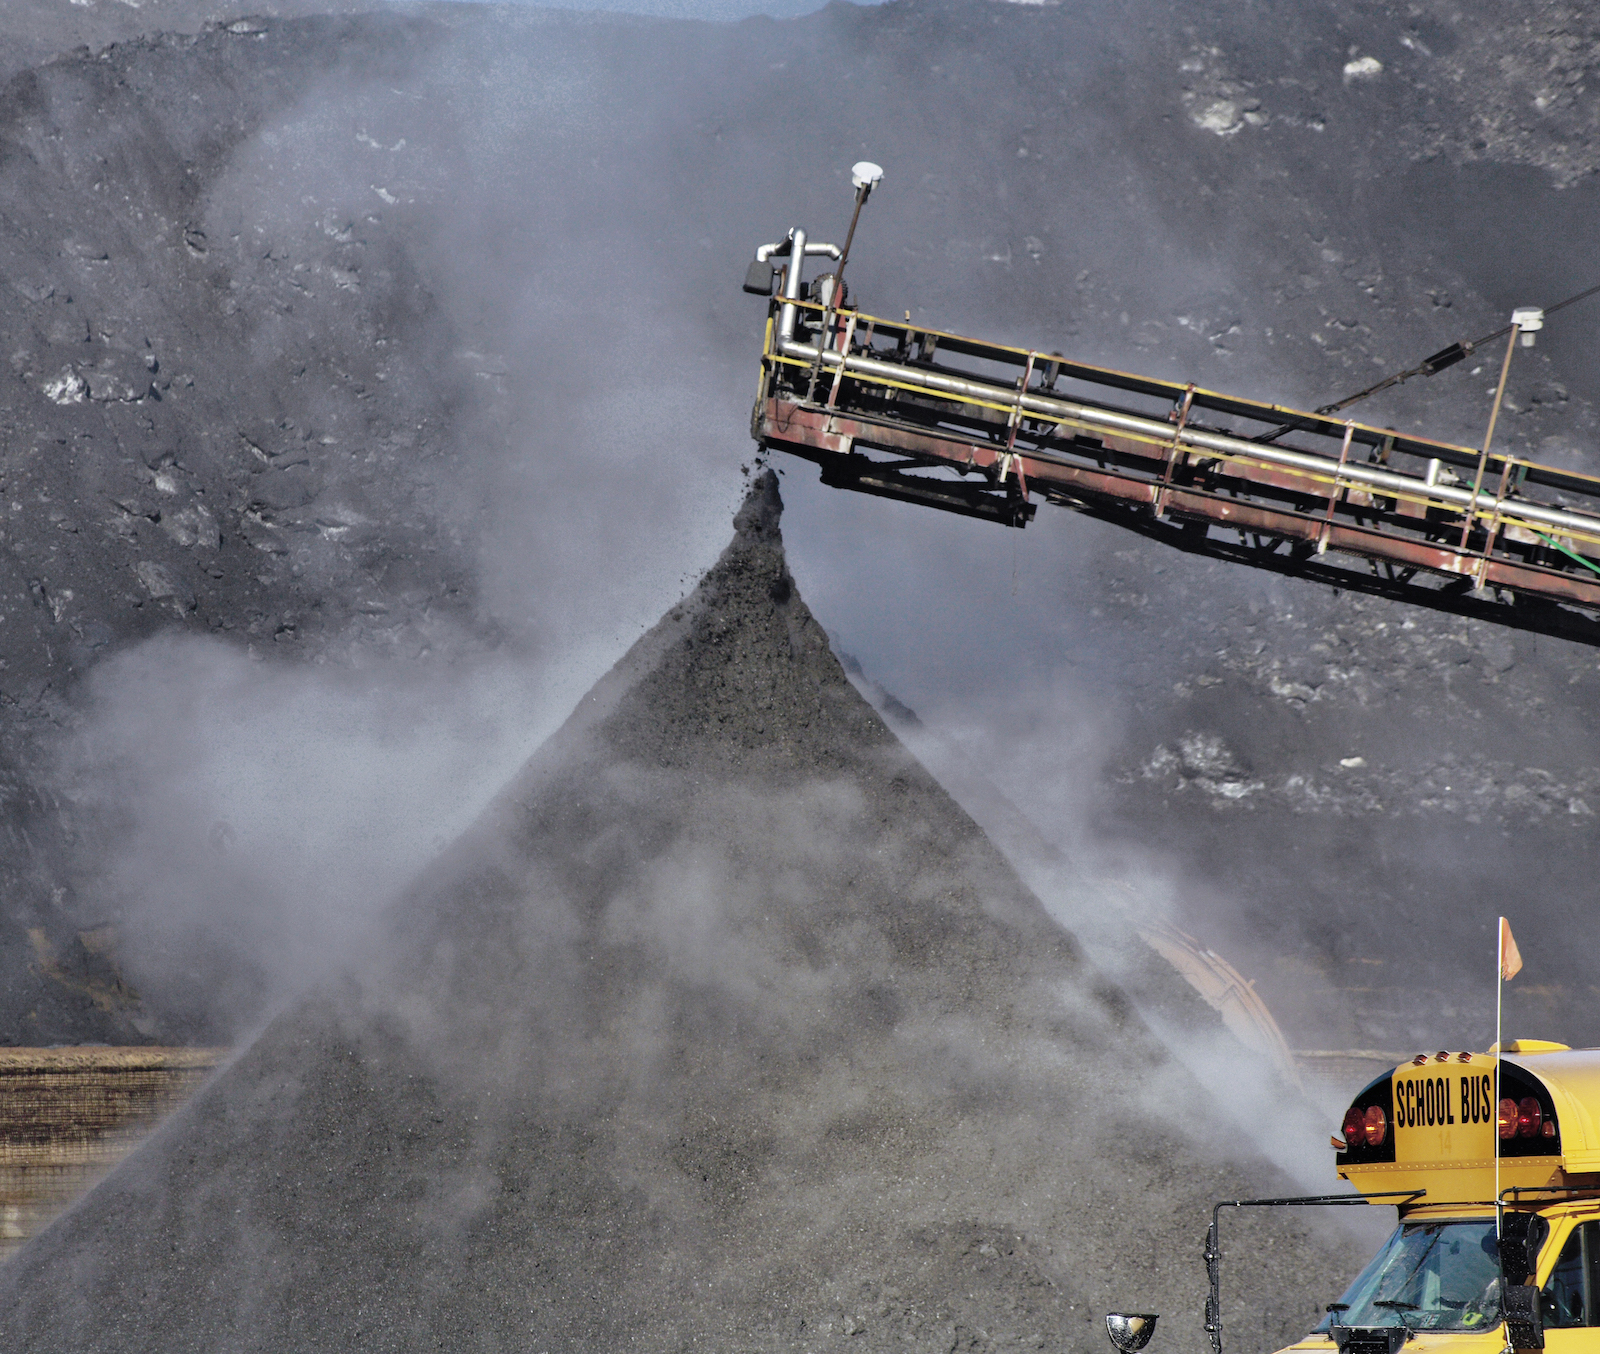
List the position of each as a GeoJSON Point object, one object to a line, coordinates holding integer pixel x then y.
{"type": "Point", "coordinates": [724, 1028]}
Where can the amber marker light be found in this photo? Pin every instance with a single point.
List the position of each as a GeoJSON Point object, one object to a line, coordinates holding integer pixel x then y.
{"type": "Point", "coordinates": [1508, 1117]}
{"type": "Point", "coordinates": [1375, 1125]}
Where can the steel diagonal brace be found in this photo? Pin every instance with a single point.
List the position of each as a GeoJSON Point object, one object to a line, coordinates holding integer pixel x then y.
{"type": "Point", "coordinates": [1172, 450]}
{"type": "Point", "coordinates": [1338, 489]}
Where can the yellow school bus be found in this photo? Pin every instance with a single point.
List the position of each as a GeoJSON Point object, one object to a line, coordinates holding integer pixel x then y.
{"type": "Point", "coordinates": [1496, 1173]}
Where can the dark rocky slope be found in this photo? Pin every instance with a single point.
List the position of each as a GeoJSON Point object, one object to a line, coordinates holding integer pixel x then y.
{"type": "Point", "coordinates": [200, 433]}
{"type": "Point", "coordinates": [724, 1028]}
{"type": "Point", "coordinates": [37, 31]}
{"type": "Point", "coordinates": [389, 249]}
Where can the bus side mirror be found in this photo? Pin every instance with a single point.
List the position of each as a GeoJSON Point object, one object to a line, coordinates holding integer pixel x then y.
{"type": "Point", "coordinates": [1522, 1236]}
{"type": "Point", "coordinates": [758, 278]}
{"type": "Point", "coordinates": [1524, 1320]}
{"type": "Point", "coordinates": [1130, 1331]}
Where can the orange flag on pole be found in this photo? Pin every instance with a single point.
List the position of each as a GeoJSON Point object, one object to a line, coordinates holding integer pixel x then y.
{"type": "Point", "coordinates": [1510, 956]}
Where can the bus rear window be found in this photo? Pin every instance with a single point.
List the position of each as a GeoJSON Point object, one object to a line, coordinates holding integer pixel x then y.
{"type": "Point", "coordinates": [1428, 1276]}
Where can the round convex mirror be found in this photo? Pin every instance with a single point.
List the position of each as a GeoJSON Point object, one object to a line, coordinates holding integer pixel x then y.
{"type": "Point", "coordinates": [1130, 1331]}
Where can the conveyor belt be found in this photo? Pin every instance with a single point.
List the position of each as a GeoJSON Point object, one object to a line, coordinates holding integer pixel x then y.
{"type": "Point", "coordinates": [982, 429]}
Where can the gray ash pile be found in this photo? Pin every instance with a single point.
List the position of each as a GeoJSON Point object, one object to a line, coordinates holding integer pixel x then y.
{"type": "Point", "coordinates": [723, 1027]}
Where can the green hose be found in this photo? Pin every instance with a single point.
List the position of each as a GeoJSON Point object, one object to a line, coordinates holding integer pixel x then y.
{"type": "Point", "coordinates": [1550, 540]}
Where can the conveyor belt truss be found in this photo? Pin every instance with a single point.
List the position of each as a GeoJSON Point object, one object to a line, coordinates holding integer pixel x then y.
{"type": "Point", "coordinates": [984, 429]}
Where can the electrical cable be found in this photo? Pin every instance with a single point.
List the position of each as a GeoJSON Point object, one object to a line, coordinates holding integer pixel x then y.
{"type": "Point", "coordinates": [1429, 366]}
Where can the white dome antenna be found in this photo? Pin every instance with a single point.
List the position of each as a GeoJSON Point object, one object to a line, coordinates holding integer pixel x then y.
{"type": "Point", "coordinates": [865, 176]}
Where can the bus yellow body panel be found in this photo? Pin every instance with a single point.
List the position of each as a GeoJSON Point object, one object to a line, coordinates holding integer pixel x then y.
{"type": "Point", "coordinates": [1443, 1122]}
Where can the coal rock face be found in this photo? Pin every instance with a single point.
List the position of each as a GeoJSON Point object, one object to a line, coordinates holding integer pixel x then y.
{"type": "Point", "coordinates": [274, 289]}
{"type": "Point", "coordinates": [213, 421]}
{"type": "Point", "coordinates": [39, 30]}
{"type": "Point", "coordinates": [723, 1028]}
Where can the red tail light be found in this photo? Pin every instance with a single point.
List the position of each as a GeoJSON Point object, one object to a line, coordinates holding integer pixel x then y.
{"type": "Point", "coordinates": [1529, 1117]}
{"type": "Point", "coordinates": [1375, 1125]}
{"type": "Point", "coordinates": [1355, 1127]}
{"type": "Point", "coordinates": [1508, 1116]}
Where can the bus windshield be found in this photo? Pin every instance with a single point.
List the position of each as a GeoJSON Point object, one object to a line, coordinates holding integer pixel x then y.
{"type": "Point", "coordinates": [1428, 1276]}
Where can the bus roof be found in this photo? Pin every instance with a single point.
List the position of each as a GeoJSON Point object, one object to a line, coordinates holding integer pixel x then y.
{"type": "Point", "coordinates": [1438, 1116]}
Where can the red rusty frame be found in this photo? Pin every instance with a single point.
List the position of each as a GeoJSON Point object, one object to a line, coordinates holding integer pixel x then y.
{"type": "Point", "coordinates": [815, 433]}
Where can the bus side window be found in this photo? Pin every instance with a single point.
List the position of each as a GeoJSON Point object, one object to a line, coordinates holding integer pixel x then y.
{"type": "Point", "coordinates": [1571, 1295]}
